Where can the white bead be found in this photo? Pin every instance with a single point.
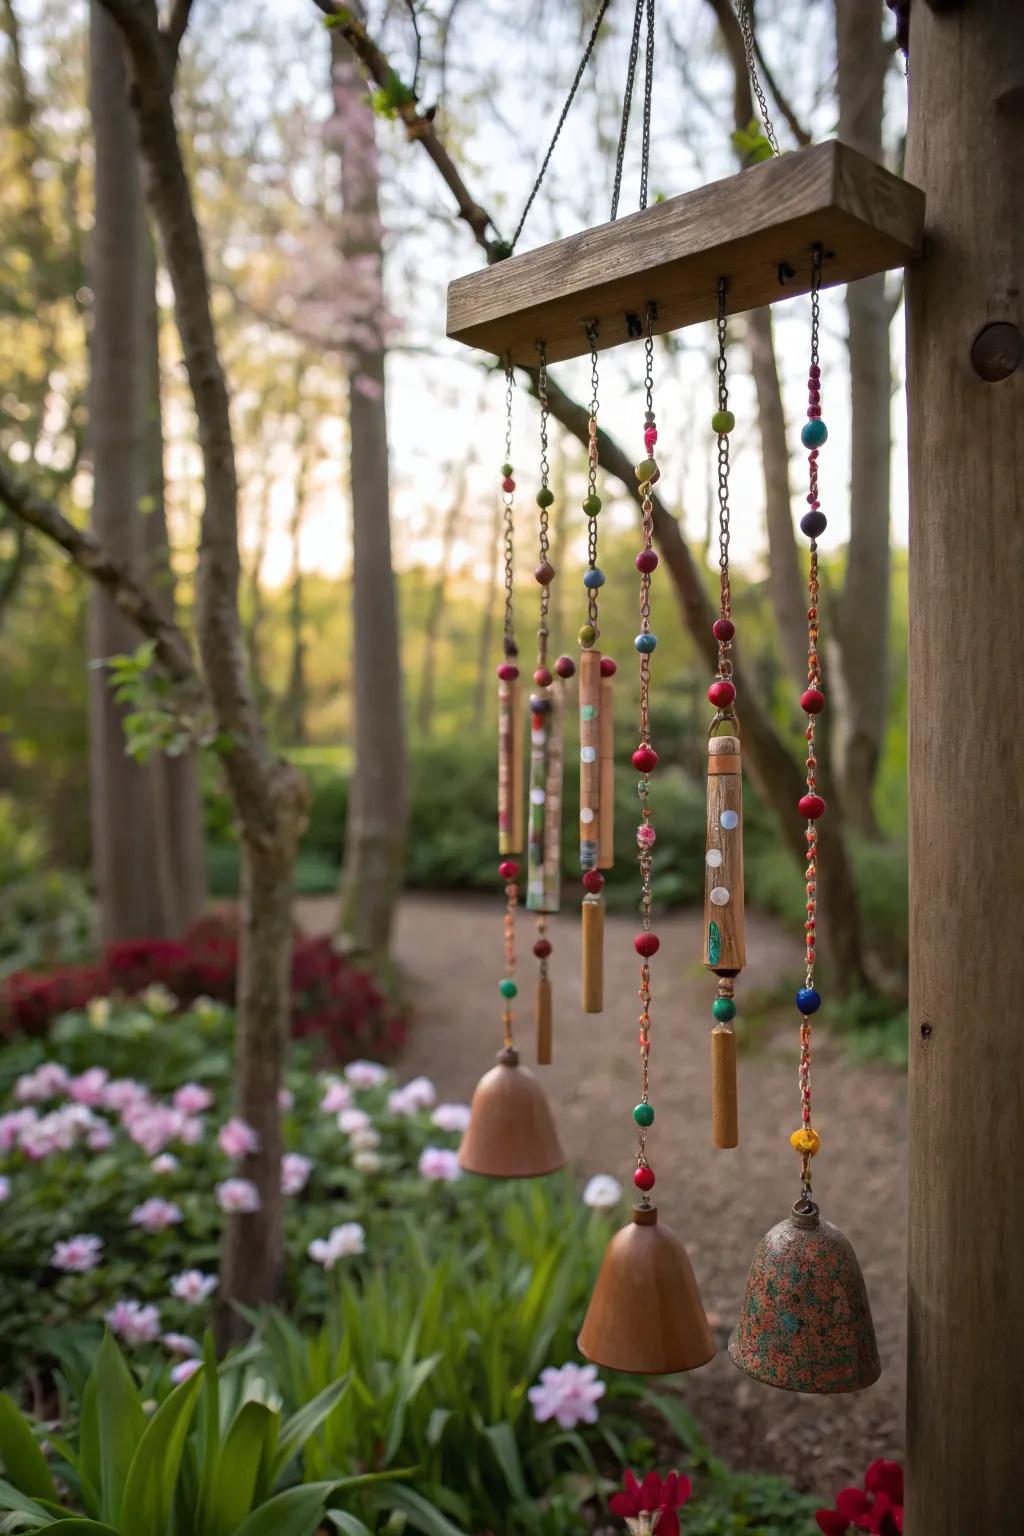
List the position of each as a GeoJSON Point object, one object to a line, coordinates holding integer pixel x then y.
{"type": "Point", "coordinates": [537, 797]}
{"type": "Point", "coordinates": [714, 858]}
{"type": "Point", "coordinates": [588, 754]}
{"type": "Point", "coordinates": [586, 815]}
{"type": "Point", "coordinates": [720, 896]}
{"type": "Point", "coordinates": [729, 820]}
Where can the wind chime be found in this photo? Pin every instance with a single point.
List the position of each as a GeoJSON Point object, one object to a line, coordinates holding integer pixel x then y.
{"type": "Point", "coordinates": [821, 216]}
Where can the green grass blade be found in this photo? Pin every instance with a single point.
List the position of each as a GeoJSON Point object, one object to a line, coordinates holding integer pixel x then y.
{"type": "Point", "coordinates": [297, 1512]}
{"type": "Point", "coordinates": [24, 1462]}
{"type": "Point", "coordinates": [153, 1474]}
{"type": "Point", "coordinates": [120, 1426]}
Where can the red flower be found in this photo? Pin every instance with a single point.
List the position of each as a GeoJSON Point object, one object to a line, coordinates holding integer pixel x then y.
{"type": "Point", "coordinates": [877, 1507]}
{"type": "Point", "coordinates": [654, 1495]}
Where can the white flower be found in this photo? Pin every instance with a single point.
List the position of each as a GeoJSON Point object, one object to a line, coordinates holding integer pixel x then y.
{"type": "Point", "coordinates": [285, 1100]}
{"type": "Point", "coordinates": [341, 1242]}
{"type": "Point", "coordinates": [156, 1215]}
{"type": "Point", "coordinates": [366, 1074]}
{"type": "Point", "coordinates": [295, 1171]}
{"type": "Point", "coordinates": [193, 1287]}
{"type": "Point", "coordinates": [180, 1344]}
{"type": "Point", "coordinates": [184, 1370]}
{"type": "Point", "coordinates": [77, 1254]}
{"type": "Point", "coordinates": [165, 1163]}
{"type": "Point", "coordinates": [602, 1192]}
{"type": "Point", "coordinates": [159, 1000]}
{"type": "Point", "coordinates": [569, 1394]}
{"type": "Point", "coordinates": [450, 1117]}
{"type": "Point", "coordinates": [133, 1322]}
{"type": "Point", "coordinates": [365, 1139]}
{"type": "Point", "coordinates": [440, 1163]}
{"type": "Point", "coordinates": [367, 1161]}
{"type": "Point", "coordinates": [97, 1011]}
{"type": "Point", "coordinates": [337, 1096]}
{"type": "Point", "coordinates": [238, 1196]}
{"type": "Point", "coordinates": [5, 1189]}
{"type": "Point", "coordinates": [352, 1120]}
{"type": "Point", "coordinates": [207, 1011]}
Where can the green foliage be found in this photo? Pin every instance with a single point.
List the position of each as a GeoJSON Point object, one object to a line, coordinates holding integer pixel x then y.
{"type": "Point", "coordinates": [389, 100]}
{"type": "Point", "coordinates": [751, 144]}
{"type": "Point", "coordinates": [46, 918]}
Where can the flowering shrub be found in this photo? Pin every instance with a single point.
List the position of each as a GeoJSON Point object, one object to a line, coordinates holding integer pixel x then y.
{"type": "Point", "coordinates": [333, 1002]}
{"type": "Point", "coordinates": [877, 1507]}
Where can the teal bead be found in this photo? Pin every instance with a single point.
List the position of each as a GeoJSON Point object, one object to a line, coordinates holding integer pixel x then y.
{"type": "Point", "coordinates": [644, 1114]}
{"type": "Point", "coordinates": [722, 422]}
{"type": "Point", "coordinates": [508, 987]}
{"type": "Point", "coordinates": [646, 643]}
{"type": "Point", "coordinates": [814, 433]}
{"type": "Point", "coordinates": [723, 1009]}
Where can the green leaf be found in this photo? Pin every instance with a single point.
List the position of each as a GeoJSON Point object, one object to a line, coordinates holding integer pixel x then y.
{"type": "Point", "coordinates": [13, 1498]}
{"type": "Point", "coordinates": [120, 1425]}
{"type": "Point", "coordinates": [307, 1421]}
{"type": "Point", "coordinates": [210, 1429]}
{"type": "Point", "coordinates": [234, 1487]}
{"type": "Point", "coordinates": [149, 1486]}
{"type": "Point", "coordinates": [297, 1512]}
{"type": "Point", "coordinates": [503, 1443]}
{"type": "Point", "coordinates": [23, 1461]}
{"type": "Point", "coordinates": [348, 1524]}
{"type": "Point", "coordinates": [422, 1515]}
{"type": "Point", "coordinates": [80, 1527]}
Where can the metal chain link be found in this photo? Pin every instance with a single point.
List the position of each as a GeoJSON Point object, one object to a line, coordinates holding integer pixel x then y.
{"type": "Point", "coordinates": [627, 105]}
{"type": "Point", "coordinates": [725, 586]}
{"type": "Point", "coordinates": [592, 462]}
{"type": "Point", "coordinates": [511, 649]}
{"type": "Point", "coordinates": [543, 520]}
{"type": "Point", "coordinates": [645, 152]}
{"type": "Point", "coordinates": [745, 17]}
{"type": "Point", "coordinates": [644, 840]}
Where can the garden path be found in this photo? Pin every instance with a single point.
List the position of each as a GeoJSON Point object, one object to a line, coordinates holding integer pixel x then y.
{"type": "Point", "coordinates": [720, 1203]}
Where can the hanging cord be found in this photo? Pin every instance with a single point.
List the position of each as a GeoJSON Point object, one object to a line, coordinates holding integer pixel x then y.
{"type": "Point", "coordinates": [744, 16]}
{"type": "Point", "coordinates": [627, 103]}
{"type": "Point", "coordinates": [584, 61]}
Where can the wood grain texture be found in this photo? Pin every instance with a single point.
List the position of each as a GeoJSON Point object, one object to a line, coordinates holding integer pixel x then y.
{"type": "Point", "coordinates": [543, 1019]}
{"type": "Point", "coordinates": [544, 823]}
{"type": "Point", "coordinates": [590, 772]}
{"type": "Point", "coordinates": [511, 1132]}
{"type": "Point", "coordinates": [510, 766]}
{"type": "Point", "coordinates": [965, 1410]}
{"type": "Point", "coordinates": [606, 758]}
{"type": "Point", "coordinates": [725, 794]}
{"type": "Point", "coordinates": [593, 954]}
{"type": "Point", "coordinates": [725, 1120]}
{"type": "Point", "coordinates": [742, 228]}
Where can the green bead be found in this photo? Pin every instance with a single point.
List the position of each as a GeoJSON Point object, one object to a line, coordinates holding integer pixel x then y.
{"type": "Point", "coordinates": [587, 635]}
{"type": "Point", "coordinates": [508, 987]}
{"type": "Point", "coordinates": [644, 1114]}
{"type": "Point", "coordinates": [506, 470]}
{"type": "Point", "coordinates": [723, 1009]}
{"type": "Point", "coordinates": [646, 470]}
{"type": "Point", "coordinates": [545, 497]}
{"type": "Point", "coordinates": [592, 506]}
{"type": "Point", "coordinates": [814, 433]}
{"type": "Point", "coordinates": [723, 421]}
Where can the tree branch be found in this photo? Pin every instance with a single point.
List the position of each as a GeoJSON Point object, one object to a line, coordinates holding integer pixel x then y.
{"type": "Point", "coordinates": [175, 28]}
{"type": "Point", "coordinates": [132, 597]}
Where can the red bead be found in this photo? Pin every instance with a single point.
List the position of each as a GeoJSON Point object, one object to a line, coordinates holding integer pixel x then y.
{"type": "Point", "coordinates": [508, 869]}
{"type": "Point", "coordinates": [542, 677]}
{"type": "Point", "coordinates": [593, 880]}
{"type": "Point", "coordinates": [647, 944]}
{"type": "Point", "coordinates": [542, 948]}
{"type": "Point", "coordinates": [812, 702]}
{"type": "Point", "coordinates": [565, 666]}
{"type": "Point", "coordinates": [722, 693]}
{"type": "Point", "coordinates": [608, 667]}
{"type": "Point", "coordinates": [508, 485]}
{"type": "Point", "coordinates": [815, 371]}
{"type": "Point", "coordinates": [545, 573]}
{"type": "Point", "coordinates": [647, 561]}
{"type": "Point", "coordinates": [508, 671]}
{"type": "Point", "coordinates": [645, 759]}
{"type": "Point", "coordinates": [811, 806]}
{"type": "Point", "coordinates": [644, 1178]}
{"type": "Point", "coordinates": [723, 629]}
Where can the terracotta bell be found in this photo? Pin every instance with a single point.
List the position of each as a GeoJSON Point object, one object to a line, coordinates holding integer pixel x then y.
{"type": "Point", "coordinates": [511, 1133]}
{"type": "Point", "coordinates": [806, 1323]}
{"type": "Point", "coordinates": [646, 1315]}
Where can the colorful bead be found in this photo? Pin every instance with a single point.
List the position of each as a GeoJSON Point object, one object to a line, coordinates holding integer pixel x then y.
{"type": "Point", "coordinates": [507, 987]}
{"type": "Point", "coordinates": [508, 485]}
{"type": "Point", "coordinates": [542, 677]}
{"type": "Point", "coordinates": [507, 671]}
{"type": "Point", "coordinates": [587, 635]}
{"type": "Point", "coordinates": [646, 561]}
{"type": "Point", "coordinates": [813, 523]}
{"type": "Point", "coordinates": [730, 820]}
{"type": "Point", "coordinates": [565, 666]}
{"type": "Point", "coordinates": [545, 497]}
{"type": "Point", "coordinates": [811, 806]}
{"type": "Point", "coordinates": [506, 470]}
{"type": "Point", "coordinates": [645, 759]}
{"type": "Point", "coordinates": [540, 707]}
{"type": "Point", "coordinates": [644, 1178]}
{"type": "Point", "coordinates": [508, 869]}
{"type": "Point", "coordinates": [806, 1140]}
{"type": "Point", "coordinates": [808, 1000]}
{"type": "Point", "coordinates": [719, 896]}
{"type": "Point", "coordinates": [723, 422]}
{"type": "Point", "coordinates": [647, 944]}
{"type": "Point", "coordinates": [723, 1009]}
{"type": "Point", "coordinates": [723, 629]}
{"type": "Point", "coordinates": [721, 693]}
{"type": "Point", "coordinates": [650, 438]}
{"type": "Point", "coordinates": [593, 880]}
{"type": "Point", "coordinates": [643, 1114]}
{"type": "Point", "coordinates": [646, 470]}
{"type": "Point", "coordinates": [645, 642]}
{"type": "Point", "coordinates": [545, 573]}
{"type": "Point", "coordinates": [593, 578]}
{"type": "Point", "coordinates": [812, 701]}
{"type": "Point", "coordinates": [542, 948]}
{"type": "Point", "coordinates": [814, 433]}
{"type": "Point", "coordinates": [608, 667]}
{"type": "Point", "coordinates": [645, 835]}
{"type": "Point", "coordinates": [592, 505]}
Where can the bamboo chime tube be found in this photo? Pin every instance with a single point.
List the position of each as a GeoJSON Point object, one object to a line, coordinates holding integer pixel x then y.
{"type": "Point", "coordinates": [724, 928]}
{"type": "Point", "coordinates": [725, 1130]}
{"type": "Point", "coordinates": [593, 954]}
{"type": "Point", "coordinates": [606, 758]}
{"type": "Point", "coordinates": [590, 827]}
{"type": "Point", "coordinates": [544, 873]}
{"type": "Point", "coordinates": [543, 1012]}
{"type": "Point", "coordinates": [510, 766]}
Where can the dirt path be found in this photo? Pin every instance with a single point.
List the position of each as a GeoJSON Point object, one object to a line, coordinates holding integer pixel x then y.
{"type": "Point", "coordinates": [719, 1202]}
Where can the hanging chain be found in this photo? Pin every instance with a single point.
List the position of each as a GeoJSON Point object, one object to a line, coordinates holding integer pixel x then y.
{"type": "Point", "coordinates": [627, 105]}
{"type": "Point", "coordinates": [723, 420]}
{"type": "Point", "coordinates": [645, 152]}
{"type": "Point", "coordinates": [508, 493]}
{"type": "Point", "coordinates": [593, 500]}
{"type": "Point", "coordinates": [544, 501]}
{"type": "Point", "coordinates": [745, 17]}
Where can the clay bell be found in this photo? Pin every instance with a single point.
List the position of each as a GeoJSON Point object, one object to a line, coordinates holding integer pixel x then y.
{"type": "Point", "coordinates": [806, 1323]}
{"type": "Point", "coordinates": [511, 1132]}
{"type": "Point", "coordinates": [646, 1315]}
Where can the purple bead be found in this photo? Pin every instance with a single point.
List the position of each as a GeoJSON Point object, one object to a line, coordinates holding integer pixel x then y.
{"type": "Point", "coordinates": [814, 411]}
{"type": "Point", "coordinates": [814, 371]}
{"type": "Point", "coordinates": [813, 524]}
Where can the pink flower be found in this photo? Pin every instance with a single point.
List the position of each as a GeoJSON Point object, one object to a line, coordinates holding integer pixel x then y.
{"type": "Point", "coordinates": [124, 1093]}
{"type": "Point", "coordinates": [165, 1163]}
{"type": "Point", "coordinates": [133, 1322]}
{"type": "Point", "coordinates": [192, 1131]}
{"type": "Point", "coordinates": [180, 1344]}
{"type": "Point", "coordinates": [156, 1215]}
{"type": "Point", "coordinates": [77, 1254]}
{"type": "Point", "coordinates": [5, 1189]}
{"type": "Point", "coordinates": [47, 1082]}
{"type": "Point", "coordinates": [100, 1137]}
{"type": "Point", "coordinates": [337, 1097]}
{"type": "Point", "coordinates": [152, 1126]}
{"type": "Point", "coordinates": [450, 1117]}
{"type": "Point", "coordinates": [440, 1163]}
{"type": "Point", "coordinates": [285, 1101]}
{"type": "Point", "coordinates": [192, 1099]}
{"type": "Point", "coordinates": [295, 1171]}
{"type": "Point", "coordinates": [366, 1074]}
{"type": "Point", "coordinates": [184, 1370]}
{"type": "Point", "coordinates": [237, 1139]}
{"type": "Point", "coordinates": [193, 1287]}
{"type": "Point", "coordinates": [238, 1196]}
{"type": "Point", "coordinates": [89, 1087]}
{"type": "Point", "coordinates": [13, 1125]}
{"type": "Point", "coordinates": [418, 1094]}
{"type": "Point", "coordinates": [568, 1394]}
{"type": "Point", "coordinates": [352, 1121]}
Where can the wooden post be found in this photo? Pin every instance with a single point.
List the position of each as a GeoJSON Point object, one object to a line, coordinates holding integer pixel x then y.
{"type": "Point", "coordinates": [965, 1405]}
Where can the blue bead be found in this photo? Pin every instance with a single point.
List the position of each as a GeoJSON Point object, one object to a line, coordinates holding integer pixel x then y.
{"type": "Point", "coordinates": [808, 1000]}
{"type": "Point", "coordinates": [646, 643]}
{"type": "Point", "coordinates": [813, 524]}
{"type": "Point", "coordinates": [814, 433]}
{"type": "Point", "coordinates": [593, 578]}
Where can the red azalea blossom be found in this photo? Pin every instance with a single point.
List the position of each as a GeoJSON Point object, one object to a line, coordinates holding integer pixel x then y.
{"type": "Point", "coordinates": [877, 1507]}
{"type": "Point", "coordinates": [654, 1496]}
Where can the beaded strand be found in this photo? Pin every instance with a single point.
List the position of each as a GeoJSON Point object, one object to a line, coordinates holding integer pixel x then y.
{"type": "Point", "coordinates": [508, 680]}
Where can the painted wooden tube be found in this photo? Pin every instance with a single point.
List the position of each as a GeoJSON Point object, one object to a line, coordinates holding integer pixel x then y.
{"type": "Point", "coordinates": [725, 1127]}
{"type": "Point", "coordinates": [543, 1014]}
{"type": "Point", "coordinates": [593, 954]}
{"type": "Point", "coordinates": [590, 759]}
{"type": "Point", "coordinates": [606, 758]}
{"type": "Point", "coordinates": [510, 766]}
{"type": "Point", "coordinates": [544, 850]}
{"type": "Point", "coordinates": [725, 947]}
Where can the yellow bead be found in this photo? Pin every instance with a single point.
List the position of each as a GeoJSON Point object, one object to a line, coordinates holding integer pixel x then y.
{"type": "Point", "coordinates": [805, 1140]}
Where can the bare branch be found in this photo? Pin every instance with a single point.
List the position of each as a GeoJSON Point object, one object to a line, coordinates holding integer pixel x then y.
{"type": "Point", "coordinates": [796, 128]}
{"type": "Point", "coordinates": [175, 29]}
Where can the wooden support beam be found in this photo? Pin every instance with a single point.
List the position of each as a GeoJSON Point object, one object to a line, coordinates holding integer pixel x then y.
{"type": "Point", "coordinates": [756, 229]}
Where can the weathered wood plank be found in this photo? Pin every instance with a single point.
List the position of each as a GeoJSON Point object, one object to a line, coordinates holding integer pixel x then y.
{"type": "Point", "coordinates": [746, 228]}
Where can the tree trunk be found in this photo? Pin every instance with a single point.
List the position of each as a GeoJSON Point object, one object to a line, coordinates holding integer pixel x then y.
{"type": "Point", "coordinates": [435, 613]}
{"type": "Point", "coordinates": [295, 700]}
{"type": "Point", "coordinates": [484, 687]}
{"type": "Point", "coordinates": [864, 647]}
{"type": "Point", "coordinates": [375, 833]}
{"type": "Point", "coordinates": [254, 628]}
{"type": "Point", "coordinates": [966, 699]}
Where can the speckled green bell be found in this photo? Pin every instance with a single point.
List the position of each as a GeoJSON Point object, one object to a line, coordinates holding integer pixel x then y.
{"type": "Point", "coordinates": [806, 1322]}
